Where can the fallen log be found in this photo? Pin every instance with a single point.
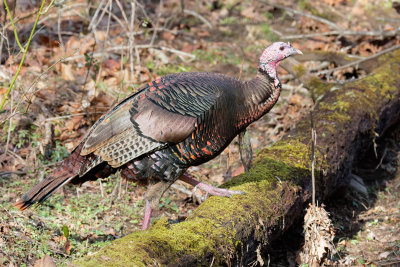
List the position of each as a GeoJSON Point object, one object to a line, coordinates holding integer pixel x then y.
{"type": "Point", "coordinates": [225, 231]}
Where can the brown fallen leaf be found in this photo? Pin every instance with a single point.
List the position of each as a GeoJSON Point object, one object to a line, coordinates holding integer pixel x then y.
{"type": "Point", "coordinates": [46, 261]}
{"type": "Point", "coordinates": [189, 47]}
{"type": "Point", "coordinates": [111, 65]}
{"type": "Point", "coordinates": [167, 36]}
{"type": "Point", "coordinates": [384, 255]}
{"type": "Point", "coordinates": [66, 72]}
{"type": "Point", "coordinates": [249, 13]}
{"type": "Point", "coordinates": [203, 33]}
{"type": "Point", "coordinates": [67, 246]}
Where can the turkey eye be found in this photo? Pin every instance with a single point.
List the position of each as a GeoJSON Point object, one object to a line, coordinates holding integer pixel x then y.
{"type": "Point", "coordinates": [281, 48]}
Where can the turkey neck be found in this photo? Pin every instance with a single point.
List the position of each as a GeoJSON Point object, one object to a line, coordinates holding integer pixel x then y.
{"type": "Point", "coordinates": [260, 96]}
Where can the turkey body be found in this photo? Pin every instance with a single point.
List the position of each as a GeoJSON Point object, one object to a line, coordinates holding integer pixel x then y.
{"type": "Point", "coordinates": [172, 123]}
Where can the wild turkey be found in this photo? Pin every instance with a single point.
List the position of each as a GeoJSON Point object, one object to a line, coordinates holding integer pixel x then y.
{"type": "Point", "coordinates": [172, 123]}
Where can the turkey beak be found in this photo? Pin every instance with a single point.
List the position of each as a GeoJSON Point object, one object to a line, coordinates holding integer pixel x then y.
{"type": "Point", "coordinates": [296, 51]}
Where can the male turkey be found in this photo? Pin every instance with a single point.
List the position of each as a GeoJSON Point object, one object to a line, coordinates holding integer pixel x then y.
{"type": "Point", "coordinates": [172, 123]}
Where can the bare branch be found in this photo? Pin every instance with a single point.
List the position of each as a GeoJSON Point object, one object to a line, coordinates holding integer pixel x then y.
{"type": "Point", "coordinates": [96, 13]}
{"type": "Point", "coordinates": [200, 17]}
{"type": "Point", "coordinates": [118, 48]}
{"type": "Point", "coordinates": [355, 63]}
{"type": "Point", "coordinates": [381, 34]}
{"type": "Point", "coordinates": [294, 11]}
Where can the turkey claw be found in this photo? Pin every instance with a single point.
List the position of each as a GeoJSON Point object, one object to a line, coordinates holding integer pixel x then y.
{"type": "Point", "coordinates": [215, 191]}
{"type": "Point", "coordinates": [236, 193]}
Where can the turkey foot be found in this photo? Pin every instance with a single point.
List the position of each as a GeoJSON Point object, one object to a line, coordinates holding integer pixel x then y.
{"type": "Point", "coordinates": [222, 192]}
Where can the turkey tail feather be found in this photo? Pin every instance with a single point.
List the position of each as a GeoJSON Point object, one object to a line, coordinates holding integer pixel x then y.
{"type": "Point", "coordinates": [42, 191]}
{"type": "Point", "coordinates": [67, 171]}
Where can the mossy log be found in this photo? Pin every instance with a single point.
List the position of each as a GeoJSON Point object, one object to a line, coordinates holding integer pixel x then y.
{"type": "Point", "coordinates": [224, 231]}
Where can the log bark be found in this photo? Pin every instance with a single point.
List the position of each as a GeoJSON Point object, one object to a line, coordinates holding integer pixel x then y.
{"type": "Point", "coordinates": [224, 231]}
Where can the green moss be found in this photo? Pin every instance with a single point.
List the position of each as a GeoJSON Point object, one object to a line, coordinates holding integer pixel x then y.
{"type": "Point", "coordinates": [317, 87]}
{"type": "Point", "coordinates": [342, 105]}
{"type": "Point", "coordinates": [150, 246]}
{"type": "Point", "coordinates": [209, 231]}
{"type": "Point", "coordinates": [299, 70]}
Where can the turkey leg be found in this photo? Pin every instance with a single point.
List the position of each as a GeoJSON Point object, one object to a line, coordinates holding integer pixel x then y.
{"type": "Point", "coordinates": [147, 215]}
{"type": "Point", "coordinates": [153, 197]}
{"type": "Point", "coordinates": [209, 188]}
{"type": "Point", "coordinates": [156, 191]}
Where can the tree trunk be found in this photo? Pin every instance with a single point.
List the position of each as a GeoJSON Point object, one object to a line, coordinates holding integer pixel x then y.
{"type": "Point", "coordinates": [224, 231]}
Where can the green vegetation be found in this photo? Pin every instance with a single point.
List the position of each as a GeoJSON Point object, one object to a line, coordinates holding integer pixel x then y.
{"type": "Point", "coordinates": [268, 34]}
{"type": "Point", "coordinates": [163, 69]}
{"type": "Point", "coordinates": [88, 220]}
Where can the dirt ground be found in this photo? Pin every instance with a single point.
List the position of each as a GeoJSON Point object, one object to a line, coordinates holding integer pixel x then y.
{"type": "Point", "coordinates": [77, 67]}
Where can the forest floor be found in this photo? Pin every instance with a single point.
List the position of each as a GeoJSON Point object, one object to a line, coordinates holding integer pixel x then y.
{"type": "Point", "coordinates": [72, 74]}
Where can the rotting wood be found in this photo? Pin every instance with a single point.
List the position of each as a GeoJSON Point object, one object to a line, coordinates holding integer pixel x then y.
{"type": "Point", "coordinates": [232, 231]}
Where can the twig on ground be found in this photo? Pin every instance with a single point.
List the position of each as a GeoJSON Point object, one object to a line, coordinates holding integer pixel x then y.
{"type": "Point", "coordinates": [200, 17]}
{"type": "Point", "coordinates": [7, 173]}
{"type": "Point", "coordinates": [381, 34]}
{"type": "Point", "coordinates": [380, 162]}
{"type": "Point", "coordinates": [59, 27]}
{"type": "Point", "coordinates": [9, 127]}
{"type": "Point", "coordinates": [121, 85]}
{"type": "Point", "coordinates": [19, 19]}
{"type": "Point", "coordinates": [175, 51]}
{"type": "Point", "coordinates": [119, 184]}
{"type": "Point", "coordinates": [131, 37]}
{"type": "Point", "coordinates": [115, 18]}
{"type": "Point", "coordinates": [321, 66]}
{"type": "Point", "coordinates": [314, 142]}
{"type": "Point", "coordinates": [286, 77]}
{"type": "Point", "coordinates": [355, 63]}
{"type": "Point", "coordinates": [65, 13]}
{"type": "Point", "coordinates": [377, 166]}
{"type": "Point", "coordinates": [114, 193]}
{"type": "Point", "coordinates": [337, 57]}
{"type": "Point", "coordinates": [109, 17]}
{"type": "Point", "coordinates": [297, 12]}
{"type": "Point", "coordinates": [153, 37]}
{"type": "Point", "coordinates": [118, 48]}
{"type": "Point", "coordinates": [109, 5]}
{"type": "Point", "coordinates": [292, 89]}
{"type": "Point", "coordinates": [15, 155]}
{"type": "Point", "coordinates": [92, 23]}
{"type": "Point", "coordinates": [101, 188]}
{"type": "Point", "coordinates": [48, 136]}
{"type": "Point", "coordinates": [122, 11]}
{"type": "Point", "coordinates": [72, 115]}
